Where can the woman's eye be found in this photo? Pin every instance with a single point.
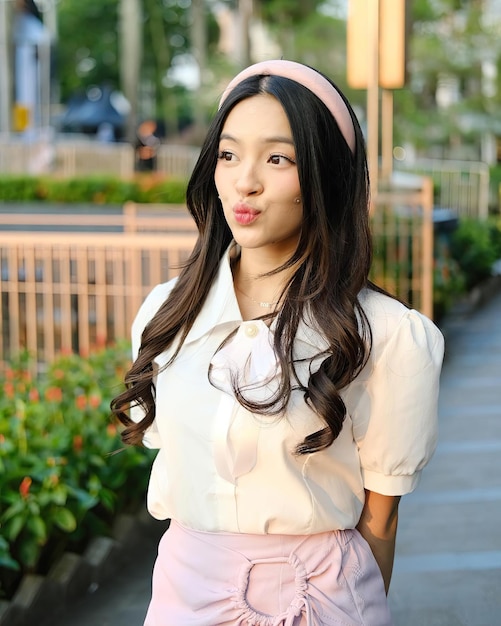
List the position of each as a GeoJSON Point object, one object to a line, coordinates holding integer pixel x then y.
{"type": "Point", "coordinates": [225, 155]}
{"type": "Point", "coordinates": [280, 159]}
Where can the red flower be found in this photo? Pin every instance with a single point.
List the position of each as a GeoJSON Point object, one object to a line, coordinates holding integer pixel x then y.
{"type": "Point", "coordinates": [24, 487]}
{"type": "Point", "coordinates": [77, 443]}
{"type": "Point", "coordinates": [54, 394]}
{"type": "Point", "coordinates": [8, 389]}
{"type": "Point", "coordinates": [94, 401]}
{"type": "Point", "coordinates": [111, 429]}
{"type": "Point", "coordinates": [34, 396]}
{"type": "Point", "coordinates": [81, 402]}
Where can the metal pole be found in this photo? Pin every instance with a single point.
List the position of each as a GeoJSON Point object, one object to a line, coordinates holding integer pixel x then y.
{"type": "Point", "coordinates": [5, 68]}
{"type": "Point", "coordinates": [373, 94]}
{"type": "Point", "coordinates": [386, 135]}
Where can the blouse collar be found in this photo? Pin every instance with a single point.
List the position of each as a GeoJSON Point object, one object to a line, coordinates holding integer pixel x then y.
{"type": "Point", "coordinates": [221, 308]}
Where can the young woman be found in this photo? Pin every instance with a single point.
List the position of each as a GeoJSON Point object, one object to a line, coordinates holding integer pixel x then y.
{"type": "Point", "coordinates": [292, 402]}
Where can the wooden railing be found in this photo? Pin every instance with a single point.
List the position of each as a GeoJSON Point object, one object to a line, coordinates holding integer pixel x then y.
{"type": "Point", "coordinates": [66, 157]}
{"type": "Point", "coordinates": [402, 226]}
{"type": "Point", "coordinates": [74, 291]}
{"type": "Point", "coordinates": [460, 186]}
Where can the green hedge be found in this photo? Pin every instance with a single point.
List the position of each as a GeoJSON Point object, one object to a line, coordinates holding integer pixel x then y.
{"type": "Point", "coordinates": [474, 247]}
{"type": "Point", "coordinates": [64, 474]}
{"type": "Point", "coordinates": [95, 189]}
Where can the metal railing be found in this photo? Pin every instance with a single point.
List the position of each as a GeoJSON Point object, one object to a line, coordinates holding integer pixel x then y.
{"type": "Point", "coordinates": [75, 291]}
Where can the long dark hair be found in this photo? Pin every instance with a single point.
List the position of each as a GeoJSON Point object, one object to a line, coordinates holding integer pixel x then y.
{"type": "Point", "coordinates": [333, 259]}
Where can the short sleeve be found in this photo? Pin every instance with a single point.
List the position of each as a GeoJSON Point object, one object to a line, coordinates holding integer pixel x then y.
{"type": "Point", "coordinates": [395, 415]}
{"type": "Point", "coordinates": [150, 306]}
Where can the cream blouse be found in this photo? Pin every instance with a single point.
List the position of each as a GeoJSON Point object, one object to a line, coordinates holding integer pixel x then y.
{"type": "Point", "coordinates": [221, 468]}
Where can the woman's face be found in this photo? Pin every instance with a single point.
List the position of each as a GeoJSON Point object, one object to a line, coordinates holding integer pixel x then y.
{"type": "Point", "coordinates": [257, 179]}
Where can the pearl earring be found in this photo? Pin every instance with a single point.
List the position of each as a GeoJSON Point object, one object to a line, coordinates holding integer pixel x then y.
{"type": "Point", "coordinates": [297, 200]}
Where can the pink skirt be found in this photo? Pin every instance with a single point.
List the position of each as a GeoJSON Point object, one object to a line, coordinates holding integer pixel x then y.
{"type": "Point", "coordinates": [218, 579]}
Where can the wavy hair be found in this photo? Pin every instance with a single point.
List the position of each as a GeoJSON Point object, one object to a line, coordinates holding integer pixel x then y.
{"type": "Point", "coordinates": [333, 259]}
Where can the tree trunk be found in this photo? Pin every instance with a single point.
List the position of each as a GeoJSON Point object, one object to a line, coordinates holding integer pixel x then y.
{"type": "Point", "coordinates": [162, 63]}
{"type": "Point", "coordinates": [131, 47]}
{"type": "Point", "coordinates": [244, 44]}
{"type": "Point", "coordinates": [199, 51]}
{"type": "Point", "coordinates": [5, 67]}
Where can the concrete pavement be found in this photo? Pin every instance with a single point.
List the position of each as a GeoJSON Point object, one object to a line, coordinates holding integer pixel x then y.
{"type": "Point", "coordinates": [448, 563]}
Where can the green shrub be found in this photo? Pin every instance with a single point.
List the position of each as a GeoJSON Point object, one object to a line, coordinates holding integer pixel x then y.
{"type": "Point", "coordinates": [448, 285]}
{"type": "Point", "coordinates": [473, 248]}
{"type": "Point", "coordinates": [64, 474]}
{"type": "Point", "coordinates": [19, 189]}
{"type": "Point", "coordinates": [92, 189]}
{"type": "Point", "coordinates": [495, 184]}
{"type": "Point", "coordinates": [495, 235]}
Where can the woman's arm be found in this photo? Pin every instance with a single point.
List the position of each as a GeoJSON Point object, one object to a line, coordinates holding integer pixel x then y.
{"type": "Point", "coordinates": [378, 526]}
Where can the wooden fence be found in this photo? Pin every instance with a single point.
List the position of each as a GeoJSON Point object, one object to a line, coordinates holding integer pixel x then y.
{"type": "Point", "coordinates": [402, 226]}
{"type": "Point", "coordinates": [77, 157]}
{"type": "Point", "coordinates": [460, 186]}
{"type": "Point", "coordinates": [74, 291]}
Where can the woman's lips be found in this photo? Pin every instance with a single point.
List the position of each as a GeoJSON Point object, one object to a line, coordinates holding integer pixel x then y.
{"type": "Point", "coordinates": [245, 214]}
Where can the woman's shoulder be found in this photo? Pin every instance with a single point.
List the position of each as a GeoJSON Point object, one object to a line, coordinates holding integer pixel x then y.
{"type": "Point", "coordinates": [389, 318]}
{"type": "Point", "coordinates": [153, 301]}
{"type": "Point", "coordinates": [381, 306]}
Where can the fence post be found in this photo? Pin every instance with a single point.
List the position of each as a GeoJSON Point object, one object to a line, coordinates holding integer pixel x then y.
{"type": "Point", "coordinates": [130, 214]}
{"type": "Point", "coordinates": [427, 261]}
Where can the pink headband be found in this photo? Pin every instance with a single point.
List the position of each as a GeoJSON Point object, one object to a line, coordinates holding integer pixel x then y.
{"type": "Point", "coordinates": [310, 79]}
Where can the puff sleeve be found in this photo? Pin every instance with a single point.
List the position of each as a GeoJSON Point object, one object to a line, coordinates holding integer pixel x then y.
{"type": "Point", "coordinates": [147, 310]}
{"type": "Point", "coordinates": [395, 413]}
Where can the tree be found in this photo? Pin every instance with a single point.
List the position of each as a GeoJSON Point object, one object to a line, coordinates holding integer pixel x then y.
{"type": "Point", "coordinates": [452, 97]}
{"type": "Point", "coordinates": [87, 52]}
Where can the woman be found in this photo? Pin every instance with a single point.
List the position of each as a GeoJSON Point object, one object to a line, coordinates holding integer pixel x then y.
{"type": "Point", "coordinates": [292, 401]}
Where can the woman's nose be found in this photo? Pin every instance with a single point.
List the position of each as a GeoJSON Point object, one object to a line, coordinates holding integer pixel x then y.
{"type": "Point", "coordinates": [248, 182]}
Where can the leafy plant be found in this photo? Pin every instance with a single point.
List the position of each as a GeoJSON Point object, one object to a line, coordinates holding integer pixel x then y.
{"type": "Point", "coordinates": [64, 474]}
{"type": "Point", "coordinates": [93, 189]}
{"type": "Point", "coordinates": [474, 250]}
{"type": "Point", "coordinates": [448, 284]}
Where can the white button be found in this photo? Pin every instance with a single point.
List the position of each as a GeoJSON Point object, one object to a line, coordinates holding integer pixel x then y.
{"type": "Point", "coordinates": [251, 330]}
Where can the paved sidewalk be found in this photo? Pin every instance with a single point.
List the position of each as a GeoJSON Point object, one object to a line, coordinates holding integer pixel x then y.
{"type": "Point", "coordinates": [448, 564]}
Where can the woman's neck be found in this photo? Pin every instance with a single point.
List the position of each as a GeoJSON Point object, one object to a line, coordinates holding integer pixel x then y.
{"type": "Point", "coordinates": [259, 293]}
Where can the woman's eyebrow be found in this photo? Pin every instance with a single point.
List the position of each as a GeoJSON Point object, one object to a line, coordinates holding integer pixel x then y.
{"type": "Point", "coordinates": [273, 139]}
{"type": "Point", "coordinates": [279, 139]}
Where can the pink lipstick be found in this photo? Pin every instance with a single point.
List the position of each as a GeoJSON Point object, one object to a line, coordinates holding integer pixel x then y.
{"type": "Point", "coordinates": [244, 214]}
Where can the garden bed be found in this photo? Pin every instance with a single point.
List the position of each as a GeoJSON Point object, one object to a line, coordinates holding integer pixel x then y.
{"type": "Point", "coordinates": [66, 478]}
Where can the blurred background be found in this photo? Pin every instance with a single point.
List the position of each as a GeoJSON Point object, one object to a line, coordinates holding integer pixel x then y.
{"type": "Point", "coordinates": [99, 69]}
{"type": "Point", "coordinates": [103, 107]}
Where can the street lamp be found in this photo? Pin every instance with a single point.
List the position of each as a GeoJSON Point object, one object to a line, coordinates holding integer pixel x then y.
{"type": "Point", "coordinates": [376, 50]}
